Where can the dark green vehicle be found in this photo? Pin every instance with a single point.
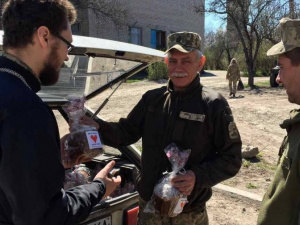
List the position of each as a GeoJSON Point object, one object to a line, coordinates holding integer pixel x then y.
{"type": "Point", "coordinates": [274, 74]}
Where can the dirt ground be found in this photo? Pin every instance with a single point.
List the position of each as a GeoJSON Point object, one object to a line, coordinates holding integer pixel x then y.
{"type": "Point", "coordinates": [257, 114]}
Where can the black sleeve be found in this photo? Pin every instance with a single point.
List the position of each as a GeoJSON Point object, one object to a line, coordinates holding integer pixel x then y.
{"type": "Point", "coordinates": [127, 131]}
{"type": "Point", "coordinates": [226, 145]}
{"type": "Point", "coordinates": [32, 175]}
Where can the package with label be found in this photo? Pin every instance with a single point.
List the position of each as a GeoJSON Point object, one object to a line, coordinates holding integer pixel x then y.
{"type": "Point", "coordinates": [83, 140]}
{"type": "Point", "coordinates": [166, 199]}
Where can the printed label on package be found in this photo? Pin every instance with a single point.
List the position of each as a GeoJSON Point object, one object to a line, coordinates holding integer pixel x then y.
{"type": "Point", "coordinates": [180, 204]}
{"type": "Point", "coordinates": [93, 139]}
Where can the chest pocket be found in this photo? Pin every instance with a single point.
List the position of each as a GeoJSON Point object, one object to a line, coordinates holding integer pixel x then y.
{"type": "Point", "coordinates": [190, 130]}
{"type": "Point", "coordinates": [154, 126]}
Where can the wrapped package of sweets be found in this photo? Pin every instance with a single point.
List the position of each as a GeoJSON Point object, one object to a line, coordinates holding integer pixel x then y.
{"type": "Point", "coordinates": [79, 175]}
{"type": "Point", "coordinates": [83, 140]}
{"type": "Point", "coordinates": [166, 199]}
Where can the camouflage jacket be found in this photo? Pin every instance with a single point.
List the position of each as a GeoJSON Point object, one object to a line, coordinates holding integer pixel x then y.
{"type": "Point", "coordinates": [281, 203]}
{"type": "Point", "coordinates": [233, 71]}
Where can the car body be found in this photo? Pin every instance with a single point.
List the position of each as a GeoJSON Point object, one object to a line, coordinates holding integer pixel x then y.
{"type": "Point", "coordinates": [96, 64]}
{"type": "Point", "coordinates": [273, 76]}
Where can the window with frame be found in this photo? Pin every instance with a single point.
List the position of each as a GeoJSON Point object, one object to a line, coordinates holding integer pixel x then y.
{"type": "Point", "coordinates": [158, 39]}
{"type": "Point", "coordinates": [136, 35]}
{"type": "Point", "coordinates": [76, 28]}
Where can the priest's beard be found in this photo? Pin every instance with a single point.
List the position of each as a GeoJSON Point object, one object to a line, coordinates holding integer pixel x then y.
{"type": "Point", "coordinates": [50, 73]}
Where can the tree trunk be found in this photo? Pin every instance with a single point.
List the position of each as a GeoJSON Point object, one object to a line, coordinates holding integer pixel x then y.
{"type": "Point", "coordinates": [292, 9]}
{"type": "Point", "coordinates": [252, 73]}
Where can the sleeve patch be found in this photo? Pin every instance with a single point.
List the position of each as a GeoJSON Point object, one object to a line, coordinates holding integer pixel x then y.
{"type": "Point", "coordinates": [233, 131]}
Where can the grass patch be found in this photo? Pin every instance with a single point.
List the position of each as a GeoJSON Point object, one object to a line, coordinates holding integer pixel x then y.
{"type": "Point", "coordinates": [132, 81]}
{"type": "Point", "coordinates": [259, 163]}
{"type": "Point", "coordinates": [246, 163]}
{"type": "Point", "coordinates": [230, 182]}
{"type": "Point", "coordinates": [251, 186]}
{"type": "Point", "coordinates": [259, 84]}
{"type": "Point", "coordinates": [259, 155]}
{"type": "Point", "coordinates": [262, 84]}
{"type": "Point", "coordinates": [266, 166]}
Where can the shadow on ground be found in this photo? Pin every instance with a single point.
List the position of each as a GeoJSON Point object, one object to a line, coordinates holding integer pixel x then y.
{"type": "Point", "coordinates": [207, 74]}
{"type": "Point", "coordinates": [261, 90]}
{"type": "Point", "coordinates": [237, 97]}
{"type": "Point", "coordinates": [253, 160]}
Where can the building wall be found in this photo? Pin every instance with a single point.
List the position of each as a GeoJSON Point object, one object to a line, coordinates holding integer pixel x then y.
{"type": "Point", "coordinates": [167, 15]}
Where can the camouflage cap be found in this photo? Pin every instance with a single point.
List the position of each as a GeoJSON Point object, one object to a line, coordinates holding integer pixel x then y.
{"type": "Point", "coordinates": [290, 37]}
{"type": "Point", "coordinates": [184, 41]}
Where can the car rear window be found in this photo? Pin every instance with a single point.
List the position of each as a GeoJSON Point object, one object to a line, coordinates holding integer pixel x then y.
{"type": "Point", "coordinates": [82, 75]}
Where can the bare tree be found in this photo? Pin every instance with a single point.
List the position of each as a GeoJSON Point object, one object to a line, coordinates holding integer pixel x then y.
{"type": "Point", "coordinates": [215, 49]}
{"type": "Point", "coordinates": [292, 9]}
{"type": "Point", "coordinates": [111, 10]}
{"type": "Point", "coordinates": [218, 44]}
{"type": "Point", "coordinates": [252, 20]}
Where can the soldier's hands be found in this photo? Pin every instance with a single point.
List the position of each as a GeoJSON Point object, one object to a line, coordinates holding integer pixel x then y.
{"type": "Point", "coordinates": [84, 120]}
{"type": "Point", "coordinates": [184, 182]}
{"type": "Point", "coordinates": [111, 183]}
{"type": "Point", "coordinates": [89, 122]}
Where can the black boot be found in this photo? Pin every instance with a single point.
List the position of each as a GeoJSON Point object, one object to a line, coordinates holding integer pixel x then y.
{"type": "Point", "coordinates": [233, 95]}
{"type": "Point", "coordinates": [230, 93]}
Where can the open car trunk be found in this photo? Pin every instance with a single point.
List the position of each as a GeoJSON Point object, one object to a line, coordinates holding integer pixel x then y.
{"type": "Point", "coordinates": [122, 205]}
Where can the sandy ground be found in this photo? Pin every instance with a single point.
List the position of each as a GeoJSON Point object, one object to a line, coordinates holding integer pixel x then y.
{"type": "Point", "coordinates": [257, 114]}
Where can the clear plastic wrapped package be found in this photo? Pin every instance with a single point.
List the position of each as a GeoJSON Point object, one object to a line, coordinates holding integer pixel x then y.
{"type": "Point", "coordinates": [83, 140]}
{"type": "Point", "coordinates": [79, 175]}
{"type": "Point", "coordinates": [166, 199]}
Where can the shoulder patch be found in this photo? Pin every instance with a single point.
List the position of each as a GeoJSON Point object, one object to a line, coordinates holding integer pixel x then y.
{"type": "Point", "coordinates": [233, 131]}
{"type": "Point", "coordinates": [192, 116]}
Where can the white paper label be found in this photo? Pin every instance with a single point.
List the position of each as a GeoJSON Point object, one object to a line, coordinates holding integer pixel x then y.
{"type": "Point", "coordinates": [180, 204]}
{"type": "Point", "coordinates": [93, 139]}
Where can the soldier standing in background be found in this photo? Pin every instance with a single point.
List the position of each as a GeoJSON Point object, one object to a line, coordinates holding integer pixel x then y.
{"type": "Point", "coordinates": [233, 75]}
{"type": "Point", "coordinates": [281, 203]}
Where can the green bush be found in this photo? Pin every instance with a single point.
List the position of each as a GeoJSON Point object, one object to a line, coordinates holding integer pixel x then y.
{"type": "Point", "coordinates": [157, 71]}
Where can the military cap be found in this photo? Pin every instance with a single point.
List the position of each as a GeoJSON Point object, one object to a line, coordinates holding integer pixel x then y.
{"type": "Point", "coordinates": [184, 41]}
{"type": "Point", "coordinates": [290, 37]}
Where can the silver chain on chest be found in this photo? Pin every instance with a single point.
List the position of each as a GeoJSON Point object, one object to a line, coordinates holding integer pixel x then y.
{"type": "Point", "coordinates": [5, 70]}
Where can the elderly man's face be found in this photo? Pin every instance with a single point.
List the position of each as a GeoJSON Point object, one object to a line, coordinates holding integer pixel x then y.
{"type": "Point", "coordinates": [183, 68]}
{"type": "Point", "coordinates": [289, 76]}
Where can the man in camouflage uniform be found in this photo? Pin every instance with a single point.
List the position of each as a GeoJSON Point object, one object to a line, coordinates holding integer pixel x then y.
{"type": "Point", "coordinates": [189, 115]}
{"type": "Point", "coordinates": [281, 203]}
{"type": "Point", "coordinates": [233, 75]}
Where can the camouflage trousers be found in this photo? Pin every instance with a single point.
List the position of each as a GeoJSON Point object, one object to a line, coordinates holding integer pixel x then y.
{"type": "Point", "coordinates": [192, 218]}
{"type": "Point", "coordinates": [232, 86]}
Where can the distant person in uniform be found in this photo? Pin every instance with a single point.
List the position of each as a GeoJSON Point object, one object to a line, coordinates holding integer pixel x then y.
{"type": "Point", "coordinates": [281, 203]}
{"type": "Point", "coordinates": [233, 75]}
{"type": "Point", "coordinates": [190, 115]}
